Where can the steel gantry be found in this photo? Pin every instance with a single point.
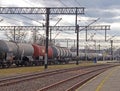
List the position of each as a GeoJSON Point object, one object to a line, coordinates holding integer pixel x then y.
{"type": "Point", "coordinates": [47, 11]}
{"type": "Point", "coordinates": [54, 28]}
{"type": "Point", "coordinates": [42, 10]}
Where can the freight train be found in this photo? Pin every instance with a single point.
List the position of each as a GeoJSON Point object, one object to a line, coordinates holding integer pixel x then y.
{"type": "Point", "coordinates": [23, 54]}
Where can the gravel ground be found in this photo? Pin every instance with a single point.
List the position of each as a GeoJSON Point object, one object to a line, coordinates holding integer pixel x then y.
{"type": "Point", "coordinates": [34, 85]}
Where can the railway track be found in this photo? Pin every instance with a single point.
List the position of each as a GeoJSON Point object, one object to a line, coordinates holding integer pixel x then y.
{"type": "Point", "coordinates": [16, 79]}
{"type": "Point", "coordinates": [87, 75]}
{"type": "Point", "coordinates": [83, 72]}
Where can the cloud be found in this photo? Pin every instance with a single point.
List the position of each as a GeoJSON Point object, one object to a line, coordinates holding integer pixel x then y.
{"type": "Point", "coordinates": [107, 11]}
{"type": "Point", "coordinates": [18, 3]}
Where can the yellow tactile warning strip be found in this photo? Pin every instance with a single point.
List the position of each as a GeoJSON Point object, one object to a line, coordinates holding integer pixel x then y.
{"type": "Point", "coordinates": [105, 79]}
{"type": "Point", "coordinates": [97, 85]}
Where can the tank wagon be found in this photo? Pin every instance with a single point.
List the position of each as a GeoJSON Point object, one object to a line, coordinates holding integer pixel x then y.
{"type": "Point", "coordinates": [31, 54]}
{"type": "Point", "coordinates": [88, 56]}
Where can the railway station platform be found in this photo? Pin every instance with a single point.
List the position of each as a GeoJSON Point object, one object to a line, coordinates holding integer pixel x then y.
{"type": "Point", "coordinates": [106, 81]}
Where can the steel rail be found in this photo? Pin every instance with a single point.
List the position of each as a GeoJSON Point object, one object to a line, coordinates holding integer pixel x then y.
{"type": "Point", "coordinates": [26, 77]}
{"type": "Point", "coordinates": [99, 70]}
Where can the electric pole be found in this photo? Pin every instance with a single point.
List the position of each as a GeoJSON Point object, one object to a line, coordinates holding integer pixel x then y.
{"type": "Point", "coordinates": [47, 33]}
{"type": "Point", "coordinates": [111, 41]}
{"type": "Point", "coordinates": [77, 31]}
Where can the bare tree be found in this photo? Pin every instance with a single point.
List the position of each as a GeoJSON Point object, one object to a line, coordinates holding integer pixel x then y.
{"type": "Point", "coordinates": [17, 36]}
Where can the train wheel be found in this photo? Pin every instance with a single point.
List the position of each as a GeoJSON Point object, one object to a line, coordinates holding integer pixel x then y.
{"type": "Point", "coordinates": [8, 64]}
{"type": "Point", "coordinates": [17, 63]}
{"type": "Point", "coordinates": [26, 63]}
{"type": "Point", "coordinates": [3, 66]}
{"type": "Point", "coordinates": [0, 65]}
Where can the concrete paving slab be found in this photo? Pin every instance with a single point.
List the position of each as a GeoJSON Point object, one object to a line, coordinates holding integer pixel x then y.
{"type": "Point", "coordinates": [107, 81]}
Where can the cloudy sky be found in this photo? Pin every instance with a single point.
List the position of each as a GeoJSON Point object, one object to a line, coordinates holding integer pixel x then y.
{"type": "Point", "coordinates": [107, 10]}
